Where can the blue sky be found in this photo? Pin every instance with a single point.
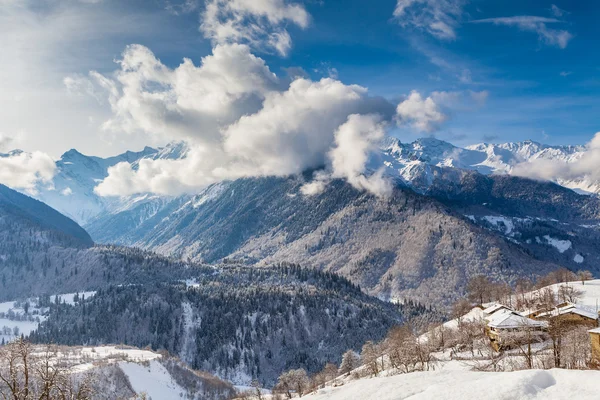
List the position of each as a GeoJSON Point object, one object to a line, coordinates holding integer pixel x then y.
{"type": "Point", "coordinates": [537, 86]}
{"type": "Point", "coordinates": [537, 91]}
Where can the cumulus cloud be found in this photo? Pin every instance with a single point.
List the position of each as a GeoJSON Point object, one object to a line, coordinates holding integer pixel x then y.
{"type": "Point", "coordinates": [553, 37]}
{"type": "Point", "coordinates": [585, 167]}
{"type": "Point", "coordinates": [430, 113]}
{"type": "Point", "coordinates": [422, 114]}
{"type": "Point", "coordinates": [239, 118]}
{"type": "Point", "coordinates": [355, 140]}
{"type": "Point", "coordinates": [440, 18]}
{"type": "Point", "coordinates": [25, 170]}
{"type": "Point", "coordinates": [187, 102]}
{"type": "Point", "coordinates": [259, 23]}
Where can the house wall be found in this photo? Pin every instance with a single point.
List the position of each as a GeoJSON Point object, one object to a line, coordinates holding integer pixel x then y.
{"type": "Point", "coordinates": [575, 319]}
{"type": "Point", "coordinates": [595, 340]}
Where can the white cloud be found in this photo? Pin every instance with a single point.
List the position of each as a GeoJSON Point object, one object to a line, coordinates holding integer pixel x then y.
{"type": "Point", "coordinates": [260, 23]}
{"type": "Point", "coordinates": [424, 115]}
{"type": "Point", "coordinates": [22, 170]}
{"type": "Point", "coordinates": [238, 117]}
{"type": "Point", "coordinates": [556, 11]}
{"type": "Point", "coordinates": [187, 102]}
{"type": "Point", "coordinates": [355, 140]}
{"type": "Point", "coordinates": [440, 18]}
{"type": "Point", "coordinates": [585, 167]}
{"type": "Point", "coordinates": [539, 25]}
{"type": "Point", "coordinates": [430, 113]}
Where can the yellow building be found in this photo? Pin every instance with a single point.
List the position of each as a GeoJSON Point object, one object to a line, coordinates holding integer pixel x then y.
{"type": "Point", "coordinates": [595, 339]}
{"type": "Point", "coordinates": [571, 314]}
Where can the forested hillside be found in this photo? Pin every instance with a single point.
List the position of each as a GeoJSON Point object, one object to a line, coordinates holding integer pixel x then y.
{"type": "Point", "coordinates": [237, 322]}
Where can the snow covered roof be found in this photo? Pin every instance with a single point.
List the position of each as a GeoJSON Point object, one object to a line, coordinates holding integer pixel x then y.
{"type": "Point", "coordinates": [571, 309]}
{"type": "Point", "coordinates": [507, 319]}
{"type": "Point", "coordinates": [495, 307]}
{"type": "Point", "coordinates": [595, 330]}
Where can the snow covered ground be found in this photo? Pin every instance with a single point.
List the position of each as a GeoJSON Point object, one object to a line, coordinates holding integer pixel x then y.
{"type": "Point", "coordinates": [152, 379]}
{"type": "Point", "coordinates": [590, 292]}
{"type": "Point", "coordinates": [555, 384]}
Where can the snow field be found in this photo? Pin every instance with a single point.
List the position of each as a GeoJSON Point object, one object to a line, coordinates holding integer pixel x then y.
{"type": "Point", "coordinates": [552, 384]}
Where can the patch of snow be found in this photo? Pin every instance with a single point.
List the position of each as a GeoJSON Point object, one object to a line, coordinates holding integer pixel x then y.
{"type": "Point", "coordinates": [154, 380]}
{"type": "Point", "coordinates": [560, 245]}
{"type": "Point", "coordinates": [578, 258]}
{"type": "Point", "coordinates": [190, 323]}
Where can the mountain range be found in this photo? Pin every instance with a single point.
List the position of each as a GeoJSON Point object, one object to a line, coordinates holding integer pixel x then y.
{"type": "Point", "coordinates": [415, 164]}
{"type": "Point", "coordinates": [455, 212]}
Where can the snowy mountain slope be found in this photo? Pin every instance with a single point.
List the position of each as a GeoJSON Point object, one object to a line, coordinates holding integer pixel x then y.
{"type": "Point", "coordinates": [269, 220]}
{"type": "Point", "coordinates": [21, 209]}
{"type": "Point", "coordinates": [459, 384]}
{"type": "Point", "coordinates": [43, 252]}
{"type": "Point", "coordinates": [408, 245]}
{"type": "Point", "coordinates": [72, 189]}
{"type": "Point", "coordinates": [418, 163]}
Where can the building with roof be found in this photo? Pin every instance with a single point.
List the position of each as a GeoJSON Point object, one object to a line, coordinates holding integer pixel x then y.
{"type": "Point", "coordinates": [571, 314]}
{"type": "Point", "coordinates": [506, 328]}
{"type": "Point", "coordinates": [494, 308]}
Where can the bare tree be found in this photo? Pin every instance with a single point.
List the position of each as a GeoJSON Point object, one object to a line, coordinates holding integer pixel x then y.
{"type": "Point", "coordinates": [295, 380]}
{"type": "Point", "coordinates": [350, 361]}
{"type": "Point", "coordinates": [524, 338]}
{"type": "Point", "coordinates": [459, 309]}
{"type": "Point", "coordinates": [568, 293]}
{"type": "Point", "coordinates": [585, 275]}
{"type": "Point", "coordinates": [523, 287]}
{"type": "Point", "coordinates": [26, 373]}
{"type": "Point", "coordinates": [490, 359]}
{"type": "Point", "coordinates": [369, 355]}
{"type": "Point", "coordinates": [257, 389]}
{"type": "Point", "coordinates": [577, 350]}
{"type": "Point", "coordinates": [556, 330]}
{"type": "Point", "coordinates": [478, 288]}
{"type": "Point", "coordinates": [396, 339]}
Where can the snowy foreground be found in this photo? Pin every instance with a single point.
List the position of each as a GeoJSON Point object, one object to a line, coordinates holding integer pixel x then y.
{"type": "Point", "coordinates": [448, 384]}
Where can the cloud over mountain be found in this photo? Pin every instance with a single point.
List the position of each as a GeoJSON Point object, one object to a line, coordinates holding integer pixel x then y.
{"type": "Point", "coordinates": [25, 170]}
{"type": "Point", "coordinates": [587, 166]}
{"type": "Point", "coordinates": [239, 118]}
